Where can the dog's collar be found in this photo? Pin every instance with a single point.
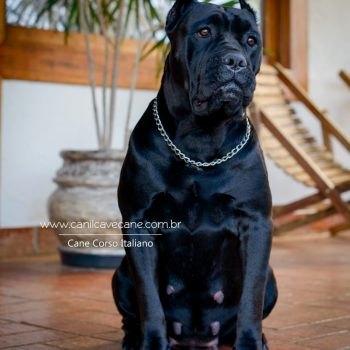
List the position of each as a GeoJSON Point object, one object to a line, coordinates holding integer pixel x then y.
{"type": "Point", "coordinates": [188, 160]}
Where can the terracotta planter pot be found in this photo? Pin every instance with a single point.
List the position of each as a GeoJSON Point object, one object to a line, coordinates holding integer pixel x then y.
{"type": "Point", "coordinates": [84, 208]}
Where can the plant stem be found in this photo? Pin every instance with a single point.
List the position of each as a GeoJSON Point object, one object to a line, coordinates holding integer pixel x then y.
{"type": "Point", "coordinates": [86, 33]}
{"type": "Point", "coordinates": [105, 73]}
{"type": "Point", "coordinates": [133, 87]}
{"type": "Point", "coordinates": [117, 40]}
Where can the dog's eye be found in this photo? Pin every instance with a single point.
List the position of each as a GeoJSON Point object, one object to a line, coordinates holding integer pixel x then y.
{"type": "Point", "coordinates": [204, 32]}
{"type": "Point", "coordinates": [251, 41]}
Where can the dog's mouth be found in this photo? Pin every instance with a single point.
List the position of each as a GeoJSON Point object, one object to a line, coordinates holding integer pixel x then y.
{"type": "Point", "coordinates": [227, 98]}
{"type": "Point", "coordinates": [200, 105]}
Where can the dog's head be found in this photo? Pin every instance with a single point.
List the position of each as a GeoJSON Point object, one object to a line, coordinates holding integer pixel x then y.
{"type": "Point", "coordinates": [215, 55]}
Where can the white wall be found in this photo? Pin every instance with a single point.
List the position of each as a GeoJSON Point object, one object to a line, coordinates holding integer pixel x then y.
{"type": "Point", "coordinates": [38, 121]}
{"type": "Point", "coordinates": [329, 53]}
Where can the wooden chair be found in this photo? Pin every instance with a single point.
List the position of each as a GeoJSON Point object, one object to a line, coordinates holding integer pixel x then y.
{"type": "Point", "coordinates": [345, 77]}
{"type": "Point", "coordinates": [287, 141]}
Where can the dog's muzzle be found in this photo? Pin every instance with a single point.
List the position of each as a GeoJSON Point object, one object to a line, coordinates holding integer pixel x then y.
{"type": "Point", "coordinates": [227, 84]}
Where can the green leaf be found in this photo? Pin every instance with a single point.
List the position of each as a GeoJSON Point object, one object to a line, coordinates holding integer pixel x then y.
{"type": "Point", "coordinates": [72, 19]}
{"type": "Point", "coordinates": [229, 3]}
{"type": "Point", "coordinates": [46, 9]}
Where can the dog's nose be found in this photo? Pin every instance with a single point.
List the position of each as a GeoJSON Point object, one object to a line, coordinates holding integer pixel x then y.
{"type": "Point", "coordinates": [235, 60]}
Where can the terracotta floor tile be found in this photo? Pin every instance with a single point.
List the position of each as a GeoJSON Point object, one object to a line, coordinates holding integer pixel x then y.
{"type": "Point", "coordinates": [335, 341]}
{"type": "Point", "coordinates": [33, 347]}
{"type": "Point", "coordinates": [16, 328]}
{"type": "Point", "coordinates": [298, 334]}
{"type": "Point", "coordinates": [5, 299]}
{"type": "Point", "coordinates": [285, 346]}
{"type": "Point", "coordinates": [287, 316]}
{"type": "Point", "coordinates": [114, 336]}
{"type": "Point", "coordinates": [340, 323]}
{"type": "Point", "coordinates": [45, 306]}
{"type": "Point", "coordinates": [28, 338]}
{"type": "Point", "coordinates": [84, 343]}
{"type": "Point", "coordinates": [102, 318]}
{"type": "Point", "coordinates": [79, 328]}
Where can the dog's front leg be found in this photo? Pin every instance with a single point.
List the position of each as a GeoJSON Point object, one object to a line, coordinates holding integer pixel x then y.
{"type": "Point", "coordinates": [256, 236]}
{"type": "Point", "coordinates": [143, 264]}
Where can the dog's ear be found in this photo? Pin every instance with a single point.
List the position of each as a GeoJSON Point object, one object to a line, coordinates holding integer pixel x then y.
{"type": "Point", "coordinates": [246, 6]}
{"type": "Point", "coordinates": [178, 9]}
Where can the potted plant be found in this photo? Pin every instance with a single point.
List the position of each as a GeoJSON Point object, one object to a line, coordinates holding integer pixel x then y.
{"type": "Point", "coordinates": [84, 206]}
{"type": "Point", "coordinates": [86, 195]}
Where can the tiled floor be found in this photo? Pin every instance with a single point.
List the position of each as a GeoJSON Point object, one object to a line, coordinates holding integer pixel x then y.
{"type": "Point", "coordinates": [44, 306]}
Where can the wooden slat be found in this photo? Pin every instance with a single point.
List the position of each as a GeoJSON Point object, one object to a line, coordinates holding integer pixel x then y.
{"type": "Point", "coordinates": [277, 153]}
{"type": "Point", "coordinates": [338, 228]}
{"type": "Point", "coordinates": [264, 79]}
{"type": "Point", "coordinates": [263, 101]}
{"type": "Point", "coordinates": [287, 121]}
{"type": "Point", "coordinates": [39, 55]}
{"type": "Point", "coordinates": [323, 182]}
{"type": "Point", "coordinates": [292, 131]}
{"type": "Point", "coordinates": [335, 171]}
{"type": "Point", "coordinates": [283, 111]}
{"type": "Point", "coordinates": [345, 76]}
{"type": "Point", "coordinates": [320, 156]}
{"type": "Point", "coordinates": [302, 95]}
{"type": "Point", "coordinates": [287, 162]}
{"type": "Point", "coordinates": [303, 142]}
{"type": "Point", "coordinates": [338, 179]}
{"type": "Point", "coordinates": [301, 203]}
{"type": "Point", "coordinates": [326, 164]}
{"type": "Point", "coordinates": [305, 178]}
{"type": "Point", "coordinates": [268, 90]}
{"type": "Point", "coordinates": [268, 69]}
{"type": "Point", "coordinates": [343, 186]}
{"type": "Point", "coordinates": [315, 152]}
{"type": "Point", "coordinates": [304, 220]}
{"type": "Point", "coordinates": [296, 170]}
{"type": "Point", "coordinates": [327, 139]}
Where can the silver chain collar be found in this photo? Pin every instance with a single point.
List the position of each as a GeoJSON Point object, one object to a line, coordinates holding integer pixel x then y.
{"type": "Point", "coordinates": [188, 160]}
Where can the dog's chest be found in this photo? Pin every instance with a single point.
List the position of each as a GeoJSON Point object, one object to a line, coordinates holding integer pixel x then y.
{"type": "Point", "coordinates": [196, 206]}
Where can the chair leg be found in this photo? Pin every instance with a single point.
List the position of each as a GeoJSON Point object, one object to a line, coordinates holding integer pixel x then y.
{"type": "Point", "coordinates": [341, 206]}
{"type": "Point", "coordinates": [339, 228]}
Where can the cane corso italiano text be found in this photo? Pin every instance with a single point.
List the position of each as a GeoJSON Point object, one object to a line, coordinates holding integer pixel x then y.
{"type": "Point", "coordinates": [194, 158]}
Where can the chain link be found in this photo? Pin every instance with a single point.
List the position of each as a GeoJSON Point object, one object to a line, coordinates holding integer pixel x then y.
{"type": "Point", "coordinates": [188, 160]}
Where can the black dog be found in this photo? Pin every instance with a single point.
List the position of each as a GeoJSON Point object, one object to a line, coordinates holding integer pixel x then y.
{"type": "Point", "coordinates": [194, 158]}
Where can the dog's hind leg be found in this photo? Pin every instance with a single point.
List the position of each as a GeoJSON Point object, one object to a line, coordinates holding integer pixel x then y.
{"type": "Point", "coordinates": [125, 300]}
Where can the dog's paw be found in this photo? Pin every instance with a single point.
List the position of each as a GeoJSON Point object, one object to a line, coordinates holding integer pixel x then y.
{"type": "Point", "coordinates": [131, 341]}
{"type": "Point", "coordinates": [155, 343]}
{"type": "Point", "coordinates": [251, 344]}
{"type": "Point", "coordinates": [248, 344]}
{"type": "Point", "coordinates": [154, 337]}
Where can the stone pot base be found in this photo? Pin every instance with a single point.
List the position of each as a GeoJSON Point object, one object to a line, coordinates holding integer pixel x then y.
{"type": "Point", "coordinates": [91, 259]}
